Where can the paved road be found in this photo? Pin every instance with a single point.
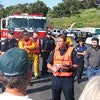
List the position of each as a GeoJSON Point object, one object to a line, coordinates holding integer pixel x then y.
{"type": "Point", "coordinates": [41, 89]}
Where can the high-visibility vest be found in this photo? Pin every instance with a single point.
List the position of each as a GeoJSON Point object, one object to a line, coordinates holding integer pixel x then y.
{"type": "Point", "coordinates": [26, 43]}
{"type": "Point", "coordinates": [62, 60]}
{"type": "Point", "coordinates": [36, 50]}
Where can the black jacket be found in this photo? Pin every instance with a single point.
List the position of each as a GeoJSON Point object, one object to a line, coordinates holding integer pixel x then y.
{"type": "Point", "coordinates": [8, 43]}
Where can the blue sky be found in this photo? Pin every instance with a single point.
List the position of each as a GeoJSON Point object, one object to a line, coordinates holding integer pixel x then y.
{"type": "Point", "coordinates": [49, 3]}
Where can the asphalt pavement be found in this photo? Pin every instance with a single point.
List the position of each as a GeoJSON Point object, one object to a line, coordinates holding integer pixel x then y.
{"type": "Point", "coordinates": [40, 89]}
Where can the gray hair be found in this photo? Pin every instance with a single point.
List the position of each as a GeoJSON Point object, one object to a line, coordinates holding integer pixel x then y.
{"type": "Point", "coordinates": [15, 81]}
{"type": "Point", "coordinates": [91, 90]}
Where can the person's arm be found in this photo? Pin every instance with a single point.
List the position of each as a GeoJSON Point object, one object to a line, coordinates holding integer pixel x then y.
{"type": "Point", "coordinates": [84, 52]}
{"type": "Point", "coordinates": [50, 63]}
{"type": "Point", "coordinates": [74, 58]}
{"type": "Point", "coordinates": [15, 43]}
{"type": "Point", "coordinates": [32, 46]}
{"type": "Point", "coordinates": [42, 44]}
{"type": "Point", "coordinates": [53, 46]}
{"type": "Point", "coordinates": [81, 53]}
{"type": "Point", "coordinates": [3, 46]}
{"type": "Point", "coordinates": [86, 57]}
{"type": "Point", "coordinates": [20, 44]}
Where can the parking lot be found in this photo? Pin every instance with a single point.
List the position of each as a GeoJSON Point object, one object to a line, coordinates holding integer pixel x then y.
{"type": "Point", "coordinates": [41, 88]}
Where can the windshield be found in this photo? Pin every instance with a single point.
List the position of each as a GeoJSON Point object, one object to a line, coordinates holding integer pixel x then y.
{"type": "Point", "coordinates": [24, 23]}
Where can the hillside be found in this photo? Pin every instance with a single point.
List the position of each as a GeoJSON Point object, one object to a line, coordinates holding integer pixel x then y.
{"type": "Point", "coordinates": [86, 18]}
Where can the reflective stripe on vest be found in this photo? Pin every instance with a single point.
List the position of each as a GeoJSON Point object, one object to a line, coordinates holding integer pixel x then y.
{"type": "Point", "coordinates": [62, 60]}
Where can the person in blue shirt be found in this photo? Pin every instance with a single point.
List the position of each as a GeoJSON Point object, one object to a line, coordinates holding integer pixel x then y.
{"type": "Point", "coordinates": [81, 50]}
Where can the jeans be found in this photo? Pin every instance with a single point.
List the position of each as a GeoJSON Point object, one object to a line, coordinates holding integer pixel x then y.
{"type": "Point", "coordinates": [93, 72]}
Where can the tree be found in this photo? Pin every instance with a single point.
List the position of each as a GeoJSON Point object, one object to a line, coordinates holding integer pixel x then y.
{"type": "Point", "coordinates": [38, 7]}
{"type": "Point", "coordinates": [67, 8]}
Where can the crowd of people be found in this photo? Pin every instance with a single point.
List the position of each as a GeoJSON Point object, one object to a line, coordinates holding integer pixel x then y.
{"type": "Point", "coordinates": [20, 61]}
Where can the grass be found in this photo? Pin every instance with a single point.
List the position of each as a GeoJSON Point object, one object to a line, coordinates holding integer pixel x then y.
{"type": "Point", "coordinates": [86, 18]}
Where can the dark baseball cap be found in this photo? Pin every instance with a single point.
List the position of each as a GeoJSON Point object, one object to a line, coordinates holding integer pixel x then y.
{"type": "Point", "coordinates": [15, 62]}
{"type": "Point", "coordinates": [11, 31]}
{"type": "Point", "coordinates": [25, 32]}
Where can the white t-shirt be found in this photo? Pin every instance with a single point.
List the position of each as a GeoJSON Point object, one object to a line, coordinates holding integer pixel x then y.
{"type": "Point", "coordinates": [7, 96]}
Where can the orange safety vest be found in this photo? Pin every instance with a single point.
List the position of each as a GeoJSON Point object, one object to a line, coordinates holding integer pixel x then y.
{"type": "Point", "coordinates": [27, 43]}
{"type": "Point", "coordinates": [62, 60]}
{"type": "Point", "coordinates": [37, 45]}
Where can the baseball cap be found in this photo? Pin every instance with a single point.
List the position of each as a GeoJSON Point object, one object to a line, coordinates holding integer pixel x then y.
{"type": "Point", "coordinates": [25, 32]}
{"type": "Point", "coordinates": [15, 62]}
{"type": "Point", "coordinates": [11, 31]}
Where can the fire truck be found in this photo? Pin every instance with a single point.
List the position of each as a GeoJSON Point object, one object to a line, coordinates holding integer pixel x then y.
{"type": "Point", "coordinates": [23, 21]}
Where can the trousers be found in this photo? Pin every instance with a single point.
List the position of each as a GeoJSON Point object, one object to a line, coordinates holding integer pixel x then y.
{"type": "Point", "coordinates": [65, 84]}
{"type": "Point", "coordinates": [92, 72]}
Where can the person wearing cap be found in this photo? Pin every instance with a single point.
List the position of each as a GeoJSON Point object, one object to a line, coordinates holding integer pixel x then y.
{"type": "Point", "coordinates": [9, 42]}
{"type": "Point", "coordinates": [48, 44]}
{"type": "Point", "coordinates": [15, 74]}
{"type": "Point", "coordinates": [36, 52]}
{"type": "Point", "coordinates": [26, 43]}
{"type": "Point", "coordinates": [81, 50]}
{"type": "Point", "coordinates": [92, 58]}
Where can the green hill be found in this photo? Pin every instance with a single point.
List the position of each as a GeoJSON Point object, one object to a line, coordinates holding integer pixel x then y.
{"type": "Point", "coordinates": [86, 18]}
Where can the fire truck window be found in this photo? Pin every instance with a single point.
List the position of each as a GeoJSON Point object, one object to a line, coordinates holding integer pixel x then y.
{"type": "Point", "coordinates": [38, 24]}
{"type": "Point", "coordinates": [19, 23]}
{"type": "Point", "coordinates": [25, 23]}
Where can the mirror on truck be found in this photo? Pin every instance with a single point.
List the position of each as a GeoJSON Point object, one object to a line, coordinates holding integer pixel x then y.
{"type": "Point", "coordinates": [3, 23]}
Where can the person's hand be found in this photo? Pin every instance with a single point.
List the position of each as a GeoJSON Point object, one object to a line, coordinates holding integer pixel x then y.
{"type": "Point", "coordinates": [75, 65]}
{"type": "Point", "coordinates": [55, 68]}
{"type": "Point", "coordinates": [25, 47]}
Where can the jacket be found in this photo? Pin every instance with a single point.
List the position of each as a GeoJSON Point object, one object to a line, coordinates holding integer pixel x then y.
{"type": "Point", "coordinates": [27, 45]}
{"type": "Point", "coordinates": [48, 44]}
{"type": "Point", "coordinates": [8, 43]}
{"type": "Point", "coordinates": [63, 60]}
{"type": "Point", "coordinates": [92, 57]}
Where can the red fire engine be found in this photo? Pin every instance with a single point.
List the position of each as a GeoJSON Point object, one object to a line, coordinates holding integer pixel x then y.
{"type": "Point", "coordinates": [23, 21]}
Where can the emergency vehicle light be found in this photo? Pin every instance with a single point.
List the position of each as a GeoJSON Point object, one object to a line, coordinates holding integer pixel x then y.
{"type": "Point", "coordinates": [35, 14]}
{"type": "Point", "coordinates": [17, 13]}
{"type": "Point", "coordinates": [28, 14]}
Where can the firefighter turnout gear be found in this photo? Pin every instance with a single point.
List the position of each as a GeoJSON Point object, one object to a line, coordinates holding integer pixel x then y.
{"type": "Point", "coordinates": [69, 41]}
{"type": "Point", "coordinates": [35, 56]}
{"type": "Point", "coordinates": [27, 45]}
